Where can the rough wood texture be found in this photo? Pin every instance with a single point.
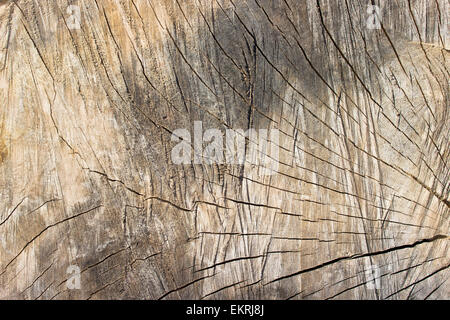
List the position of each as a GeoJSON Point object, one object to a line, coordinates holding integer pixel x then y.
{"type": "Point", "coordinates": [87, 178]}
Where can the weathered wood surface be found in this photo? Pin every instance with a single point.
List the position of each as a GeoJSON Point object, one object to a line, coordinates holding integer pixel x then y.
{"type": "Point", "coordinates": [86, 176]}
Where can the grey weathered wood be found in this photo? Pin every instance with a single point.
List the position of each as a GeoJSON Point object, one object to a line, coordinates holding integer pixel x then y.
{"type": "Point", "coordinates": [86, 176]}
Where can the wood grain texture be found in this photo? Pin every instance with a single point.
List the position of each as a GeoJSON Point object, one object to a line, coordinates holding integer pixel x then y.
{"type": "Point", "coordinates": [86, 176]}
